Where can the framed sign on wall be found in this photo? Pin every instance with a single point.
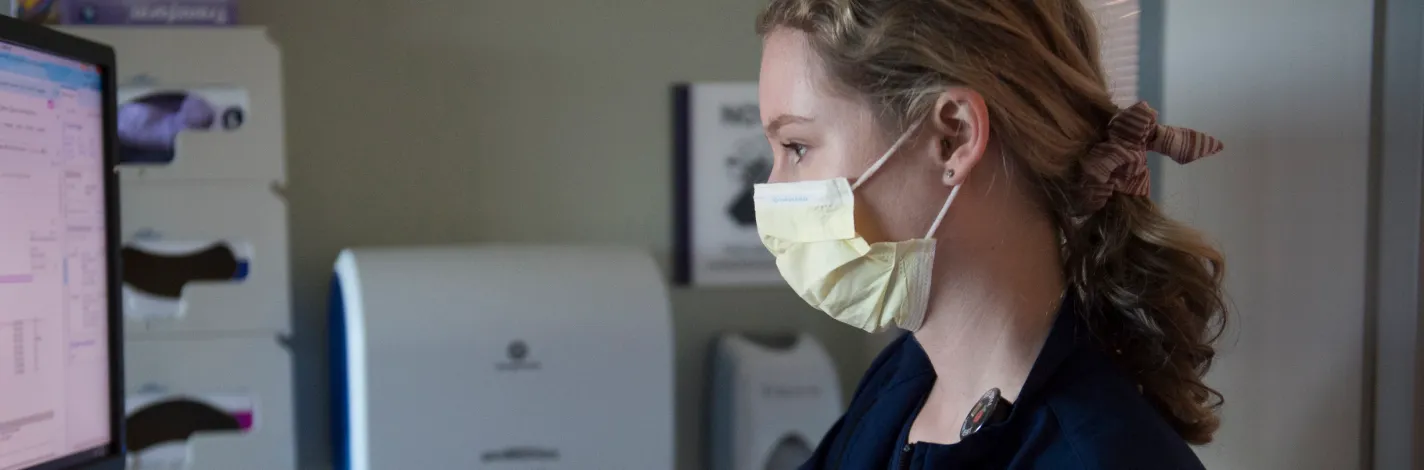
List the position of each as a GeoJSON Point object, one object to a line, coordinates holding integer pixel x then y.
{"type": "Point", "coordinates": [721, 153]}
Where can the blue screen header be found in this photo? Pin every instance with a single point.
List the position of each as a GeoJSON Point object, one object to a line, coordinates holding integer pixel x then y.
{"type": "Point", "coordinates": [64, 75]}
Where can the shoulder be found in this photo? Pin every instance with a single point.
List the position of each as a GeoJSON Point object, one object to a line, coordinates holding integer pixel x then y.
{"type": "Point", "coordinates": [1104, 423]}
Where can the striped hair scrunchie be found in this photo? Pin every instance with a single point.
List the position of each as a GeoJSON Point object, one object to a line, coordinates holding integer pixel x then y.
{"type": "Point", "coordinates": [1119, 163]}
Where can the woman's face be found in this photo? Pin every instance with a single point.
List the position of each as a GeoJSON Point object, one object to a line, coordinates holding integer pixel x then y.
{"type": "Point", "coordinates": [817, 133]}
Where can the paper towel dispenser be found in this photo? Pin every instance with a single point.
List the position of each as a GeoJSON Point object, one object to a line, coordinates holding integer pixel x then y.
{"type": "Point", "coordinates": [507, 357]}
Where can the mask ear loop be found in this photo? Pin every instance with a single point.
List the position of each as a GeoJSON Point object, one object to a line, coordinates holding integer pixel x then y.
{"type": "Point", "coordinates": [943, 210]}
{"type": "Point", "coordinates": [884, 158]}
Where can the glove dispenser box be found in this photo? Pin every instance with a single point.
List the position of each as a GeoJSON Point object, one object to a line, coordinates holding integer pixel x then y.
{"type": "Point", "coordinates": [205, 258]}
{"type": "Point", "coordinates": [208, 368]}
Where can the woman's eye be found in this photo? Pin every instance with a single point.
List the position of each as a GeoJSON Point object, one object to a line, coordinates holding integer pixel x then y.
{"type": "Point", "coordinates": [797, 151]}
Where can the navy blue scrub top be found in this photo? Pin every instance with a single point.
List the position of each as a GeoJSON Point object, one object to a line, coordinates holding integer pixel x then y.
{"type": "Point", "coordinates": [1075, 411]}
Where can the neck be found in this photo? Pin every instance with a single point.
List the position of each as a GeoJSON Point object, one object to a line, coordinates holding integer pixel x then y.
{"type": "Point", "coordinates": [987, 323]}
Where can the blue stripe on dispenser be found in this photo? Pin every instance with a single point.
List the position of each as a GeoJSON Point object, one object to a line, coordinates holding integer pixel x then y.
{"type": "Point", "coordinates": [340, 385]}
{"type": "Point", "coordinates": [243, 267]}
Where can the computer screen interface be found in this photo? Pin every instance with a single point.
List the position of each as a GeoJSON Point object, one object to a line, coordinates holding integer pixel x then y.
{"type": "Point", "coordinates": [54, 364]}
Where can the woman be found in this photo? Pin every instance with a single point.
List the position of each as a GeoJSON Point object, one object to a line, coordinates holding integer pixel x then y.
{"type": "Point", "coordinates": [957, 168]}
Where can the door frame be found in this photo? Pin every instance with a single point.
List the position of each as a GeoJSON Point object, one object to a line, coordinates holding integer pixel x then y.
{"type": "Point", "coordinates": [1394, 360]}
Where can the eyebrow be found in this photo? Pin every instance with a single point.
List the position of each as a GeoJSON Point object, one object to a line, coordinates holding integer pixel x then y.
{"type": "Point", "coordinates": [783, 120]}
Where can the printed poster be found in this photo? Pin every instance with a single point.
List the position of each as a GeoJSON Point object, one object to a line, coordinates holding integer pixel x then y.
{"type": "Point", "coordinates": [722, 153]}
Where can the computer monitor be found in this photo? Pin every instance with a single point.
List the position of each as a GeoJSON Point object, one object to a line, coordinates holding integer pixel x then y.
{"type": "Point", "coordinates": [61, 392]}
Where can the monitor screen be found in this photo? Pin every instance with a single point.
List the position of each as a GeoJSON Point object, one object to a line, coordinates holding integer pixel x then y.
{"type": "Point", "coordinates": [55, 397]}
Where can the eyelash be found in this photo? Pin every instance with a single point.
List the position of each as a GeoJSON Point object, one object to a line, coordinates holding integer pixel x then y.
{"type": "Point", "coordinates": [793, 148]}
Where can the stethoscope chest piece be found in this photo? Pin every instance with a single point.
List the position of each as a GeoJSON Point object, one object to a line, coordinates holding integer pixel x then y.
{"type": "Point", "coordinates": [991, 408]}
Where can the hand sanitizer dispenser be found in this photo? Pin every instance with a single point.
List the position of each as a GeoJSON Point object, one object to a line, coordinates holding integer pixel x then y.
{"type": "Point", "coordinates": [501, 357]}
{"type": "Point", "coordinates": [773, 398]}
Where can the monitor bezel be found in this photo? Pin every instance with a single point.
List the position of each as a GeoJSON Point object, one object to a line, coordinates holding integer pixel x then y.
{"type": "Point", "coordinates": [50, 41]}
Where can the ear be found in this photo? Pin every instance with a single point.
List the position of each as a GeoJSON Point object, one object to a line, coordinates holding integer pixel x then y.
{"type": "Point", "coordinates": [961, 128]}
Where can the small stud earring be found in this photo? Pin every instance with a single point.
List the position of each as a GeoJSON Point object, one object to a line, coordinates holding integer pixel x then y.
{"type": "Point", "coordinates": [949, 173]}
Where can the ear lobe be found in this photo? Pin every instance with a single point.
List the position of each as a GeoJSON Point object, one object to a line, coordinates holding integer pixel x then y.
{"type": "Point", "coordinates": [949, 178]}
{"type": "Point", "coordinates": [962, 119]}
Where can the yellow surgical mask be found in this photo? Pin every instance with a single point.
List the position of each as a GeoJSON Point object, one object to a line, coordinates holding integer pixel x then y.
{"type": "Point", "coordinates": [810, 227]}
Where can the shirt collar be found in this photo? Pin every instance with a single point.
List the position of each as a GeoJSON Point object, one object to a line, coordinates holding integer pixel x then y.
{"type": "Point", "coordinates": [1066, 335]}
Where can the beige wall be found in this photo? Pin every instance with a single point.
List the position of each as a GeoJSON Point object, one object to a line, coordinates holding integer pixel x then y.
{"type": "Point", "coordinates": [459, 121]}
{"type": "Point", "coordinates": [1288, 203]}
